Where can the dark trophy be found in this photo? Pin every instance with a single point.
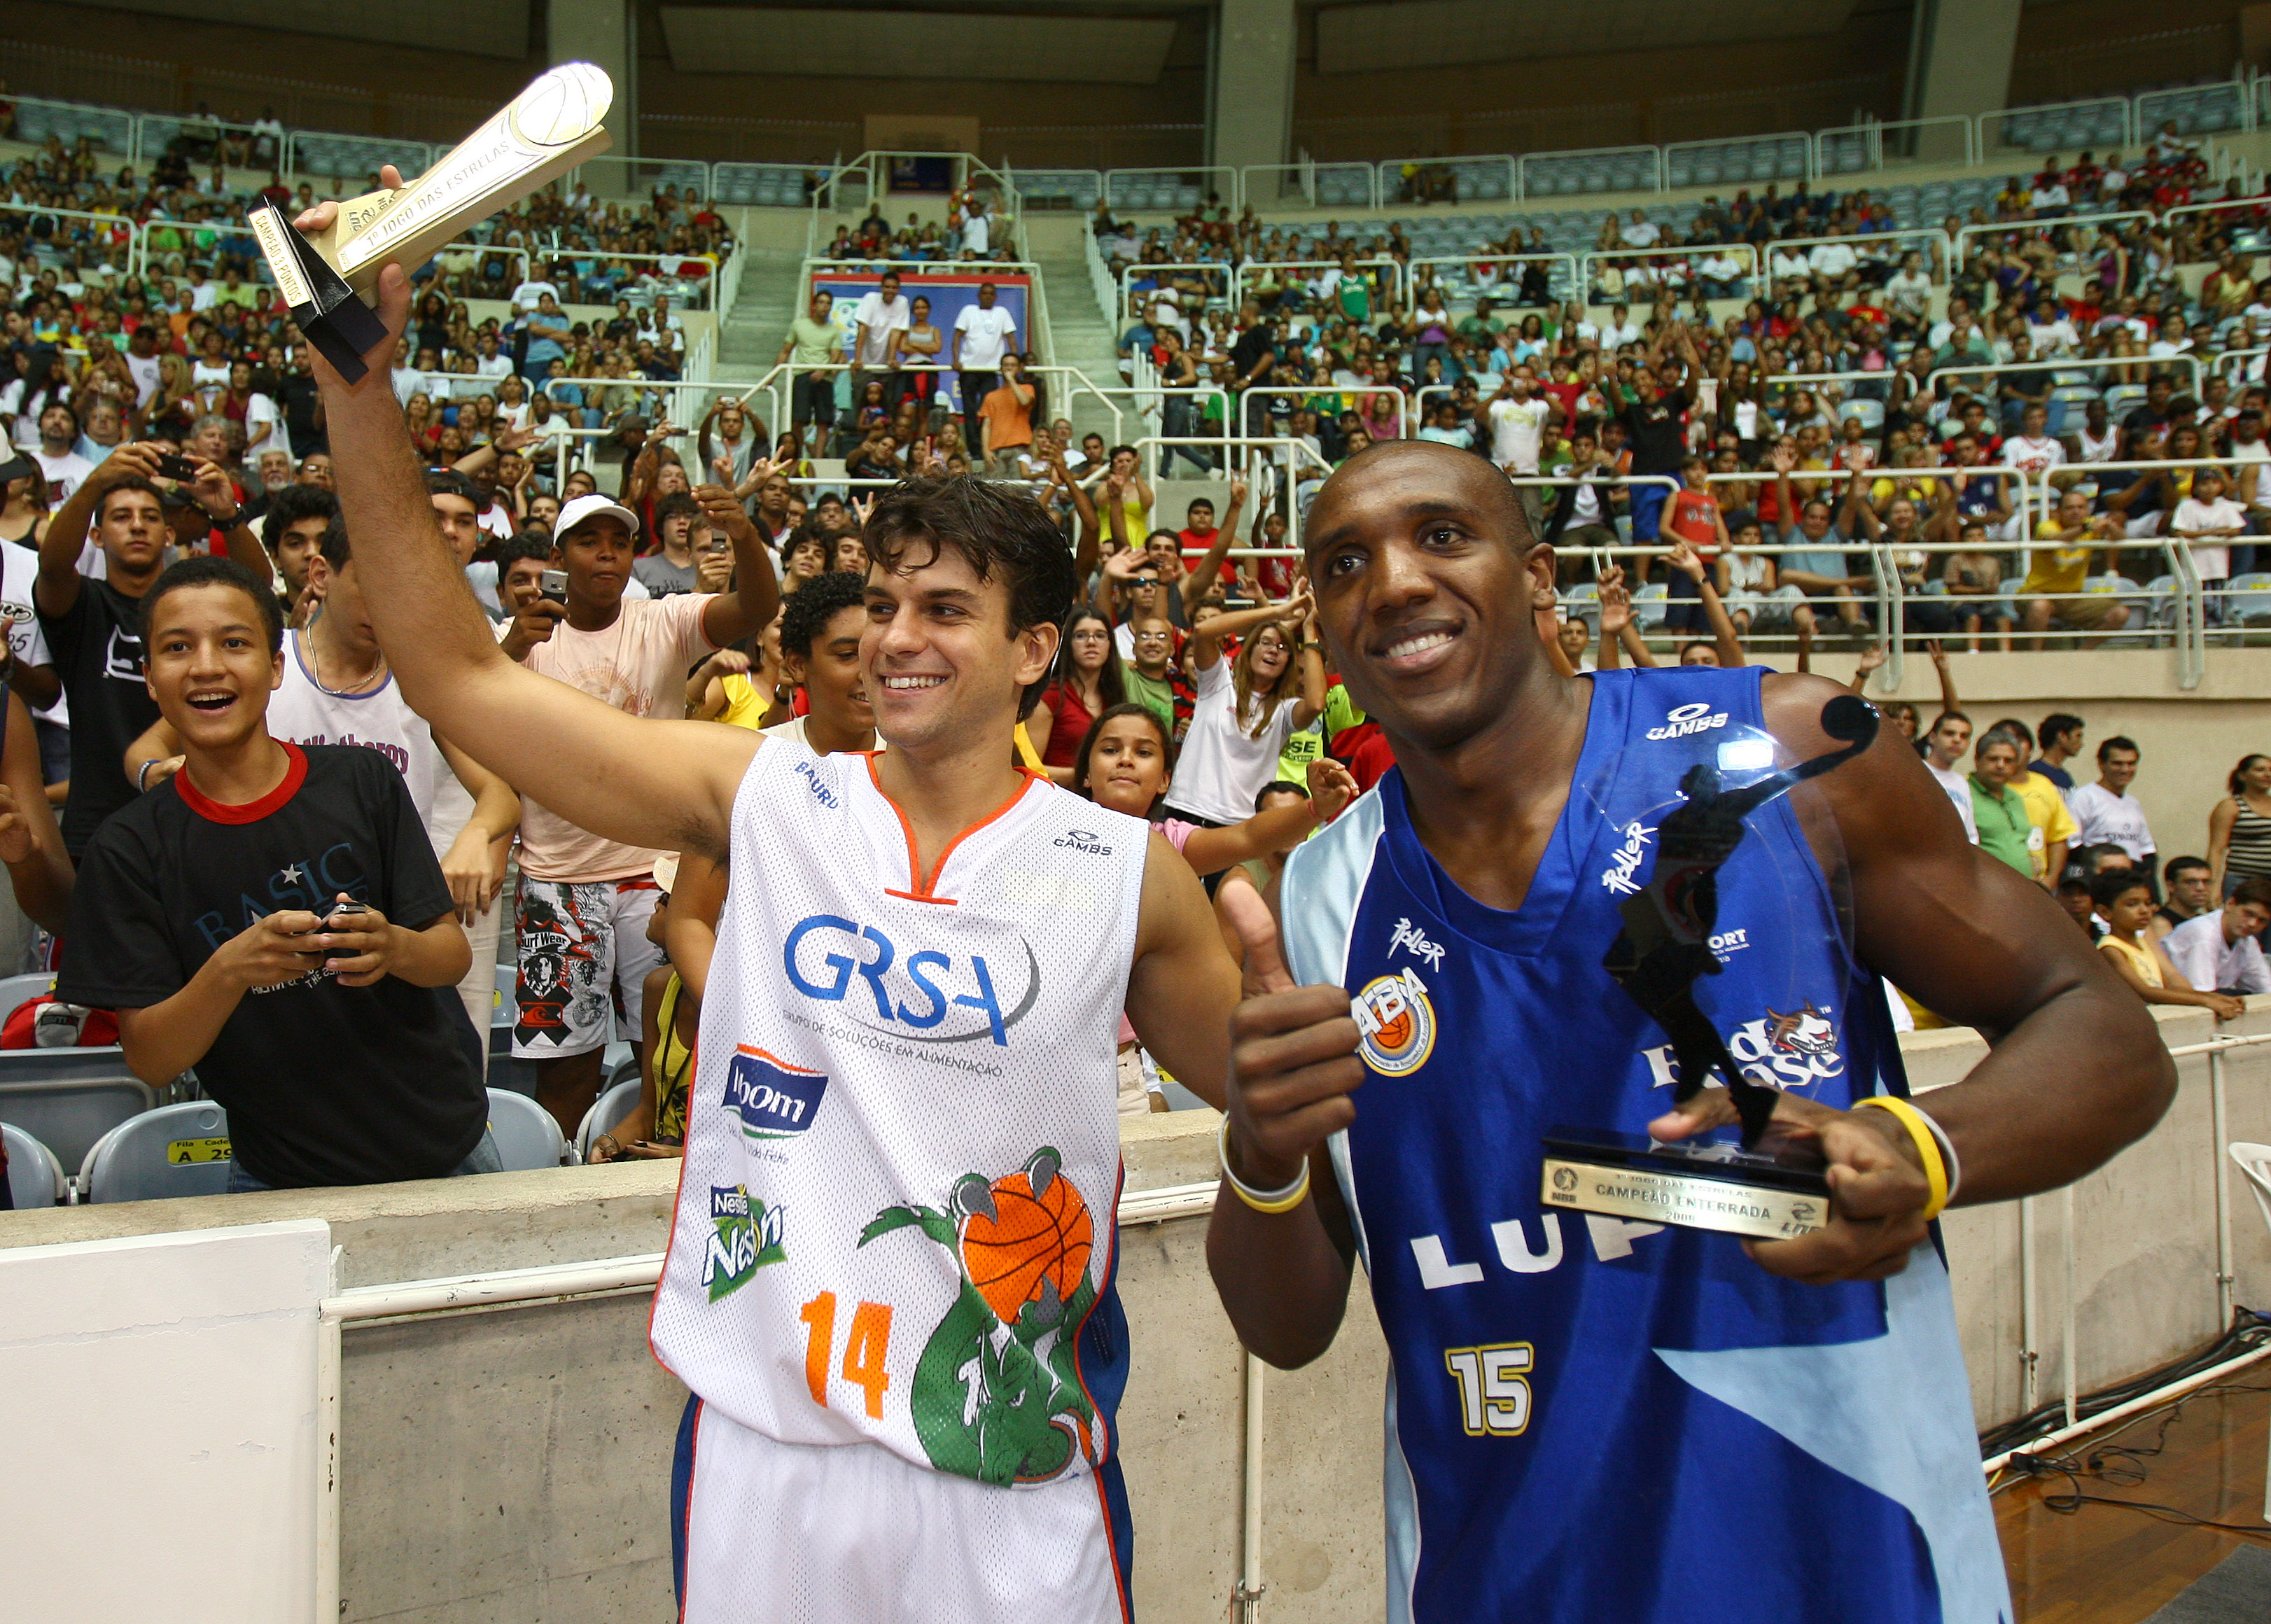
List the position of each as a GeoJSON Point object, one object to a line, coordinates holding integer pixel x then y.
{"type": "Point", "coordinates": [1767, 1186]}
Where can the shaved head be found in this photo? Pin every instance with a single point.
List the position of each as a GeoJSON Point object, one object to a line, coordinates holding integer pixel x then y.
{"type": "Point", "coordinates": [1465, 478]}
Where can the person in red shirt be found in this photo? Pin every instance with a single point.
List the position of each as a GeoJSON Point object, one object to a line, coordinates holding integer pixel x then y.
{"type": "Point", "coordinates": [1691, 516]}
{"type": "Point", "coordinates": [1199, 533]}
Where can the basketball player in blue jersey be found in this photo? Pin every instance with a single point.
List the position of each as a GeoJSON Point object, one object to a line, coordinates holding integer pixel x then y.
{"type": "Point", "coordinates": [891, 1278]}
{"type": "Point", "coordinates": [1588, 1418]}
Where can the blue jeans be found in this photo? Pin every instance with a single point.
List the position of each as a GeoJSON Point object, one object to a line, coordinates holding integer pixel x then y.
{"type": "Point", "coordinates": [1647, 508]}
{"type": "Point", "coordinates": [485, 1158]}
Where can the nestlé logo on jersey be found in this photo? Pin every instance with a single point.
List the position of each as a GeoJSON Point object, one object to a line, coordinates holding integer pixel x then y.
{"type": "Point", "coordinates": [919, 997]}
{"type": "Point", "coordinates": [745, 1236]}
{"type": "Point", "coordinates": [1687, 718]}
{"type": "Point", "coordinates": [774, 1099]}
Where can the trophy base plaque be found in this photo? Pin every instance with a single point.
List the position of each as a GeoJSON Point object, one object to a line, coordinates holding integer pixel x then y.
{"type": "Point", "coordinates": [1777, 1192]}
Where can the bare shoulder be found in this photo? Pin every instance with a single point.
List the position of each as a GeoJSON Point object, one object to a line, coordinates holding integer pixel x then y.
{"type": "Point", "coordinates": [1880, 801]}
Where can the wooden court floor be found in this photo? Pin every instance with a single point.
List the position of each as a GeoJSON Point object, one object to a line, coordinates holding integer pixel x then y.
{"type": "Point", "coordinates": [2108, 1565]}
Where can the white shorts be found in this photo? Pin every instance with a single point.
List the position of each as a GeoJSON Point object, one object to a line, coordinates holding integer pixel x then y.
{"type": "Point", "coordinates": [583, 957]}
{"type": "Point", "coordinates": [767, 1532]}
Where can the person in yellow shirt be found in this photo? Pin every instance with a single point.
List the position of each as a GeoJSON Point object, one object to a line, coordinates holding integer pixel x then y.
{"type": "Point", "coordinates": [2053, 591]}
{"type": "Point", "coordinates": [2051, 827]}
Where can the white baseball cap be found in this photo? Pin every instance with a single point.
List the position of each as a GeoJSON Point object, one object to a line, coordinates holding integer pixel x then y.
{"type": "Point", "coordinates": [594, 506]}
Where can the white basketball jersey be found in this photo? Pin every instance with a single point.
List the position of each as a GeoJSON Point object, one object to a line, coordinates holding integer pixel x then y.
{"type": "Point", "coordinates": [380, 719]}
{"type": "Point", "coordinates": [895, 1218]}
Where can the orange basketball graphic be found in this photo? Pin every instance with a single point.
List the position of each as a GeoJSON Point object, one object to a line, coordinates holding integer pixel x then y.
{"type": "Point", "coordinates": [1396, 1031]}
{"type": "Point", "coordinates": [1027, 1240]}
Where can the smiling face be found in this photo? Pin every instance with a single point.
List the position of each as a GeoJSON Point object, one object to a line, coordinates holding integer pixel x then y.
{"type": "Point", "coordinates": [209, 666]}
{"type": "Point", "coordinates": [1127, 765]}
{"type": "Point", "coordinates": [1426, 579]}
{"type": "Point", "coordinates": [2117, 768]}
{"type": "Point", "coordinates": [943, 667]}
{"type": "Point", "coordinates": [831, 674]}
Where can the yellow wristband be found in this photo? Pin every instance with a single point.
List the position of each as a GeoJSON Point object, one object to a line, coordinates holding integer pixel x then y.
{"type": "Point", "coordinates": [1927, 1144]}
{"type": "Point", "coordinates": [1268, 1202]}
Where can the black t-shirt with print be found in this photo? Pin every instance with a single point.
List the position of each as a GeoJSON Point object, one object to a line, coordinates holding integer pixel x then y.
{"type": "Point", "coordinates": [323, 1084]}
{"type": "Point", "coordinates": [98, 653]}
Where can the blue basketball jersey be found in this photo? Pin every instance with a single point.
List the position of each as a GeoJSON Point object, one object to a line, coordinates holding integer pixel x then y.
{"type": "Point", "coordinates": [1590, 1418]}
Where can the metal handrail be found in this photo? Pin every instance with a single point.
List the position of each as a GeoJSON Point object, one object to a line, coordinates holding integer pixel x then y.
{"type": "Point", "coordinates": [2038, 227]}
{"type": "Point", "coordinates": [1872, 131]}
{"type": "Point", "coordinates": [1931, 235]}
{"type": "Point", "coordinates": [1805, 140]}
{"type": "Point", "coordinates": [1381, 167]}
{"type": "Point", "coordinates": [1988, 147]}
{"type": "Point", "coordinates": [1398, 285]}
{"type": "Point", "coordinates": [1223, 269]}
{"type": "Point", "coordinates": [1931, 378]}
{"type": "Point", "coordinates": [137, 232]}
{"type": "Point", "coordinates": [1688, 251]}
{"type": "Point", "coordinates": [1521, 172]}
{"type": "Point", "coordinates": [1227, 193]}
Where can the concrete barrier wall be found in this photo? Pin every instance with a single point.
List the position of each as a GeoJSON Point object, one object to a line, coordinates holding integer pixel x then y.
{"type": "Point", "coordinates": [512, 1463]}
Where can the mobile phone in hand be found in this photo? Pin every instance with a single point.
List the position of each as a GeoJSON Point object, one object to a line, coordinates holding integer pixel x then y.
{"type": "Point", "coordinates": [176, 467]}
{"type": "Point", "coordinates": [343, 917]}
{"type": "Point", "coordinates": [553, 583]}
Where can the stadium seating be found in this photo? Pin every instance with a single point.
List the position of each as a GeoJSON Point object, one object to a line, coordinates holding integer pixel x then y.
{"type": "Point", "coordinates": [36, 1178]}
{"type": "Point", "coordinates": [173, 1151]}
{"type": "Point", "coordinates": [526, 1135]}
{"type": "Point", "coordinates": [80, 1095]}
{"type": "Point", "coordinates": [609, 1109]}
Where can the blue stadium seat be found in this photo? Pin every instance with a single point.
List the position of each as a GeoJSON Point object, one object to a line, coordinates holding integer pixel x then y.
{"type": "Point", "coordinates": [526, 1135]}
{"type": "Point", "coordinates": [36, 1178]}
{"type": "Point", "coordinates": [610, 1108]}
{"type": "Point", "coordinates": [69, 1099]}
{"type": "Point", "coordinates": [173, 1151]}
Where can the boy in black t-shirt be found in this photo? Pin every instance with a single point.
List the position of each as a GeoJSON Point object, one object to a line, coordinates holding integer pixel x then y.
{"type": "Point", "coordinates": [337, 1043]}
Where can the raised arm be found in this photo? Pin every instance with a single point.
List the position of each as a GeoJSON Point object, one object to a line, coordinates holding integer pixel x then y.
{"type": "Point", "coordinates": [664, 785]}
{"type": "Point", "coordinates": [1195, 582]}
{"type": "Point", "coordinates": [749, 608]}
{"type": "Point", "coordinates": [55, 588]}
{"type": "Point", "coordinates": [30, 844]}
{"type": "Point", "coordinates": [1331, 787]}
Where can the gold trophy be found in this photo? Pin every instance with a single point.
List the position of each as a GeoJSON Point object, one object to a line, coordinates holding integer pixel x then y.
{"type": "Point", "coordinates": [331, 278]}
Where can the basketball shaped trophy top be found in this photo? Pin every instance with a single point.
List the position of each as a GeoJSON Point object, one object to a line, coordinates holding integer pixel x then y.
{"type": "Point", "coordinates": [547, 130]}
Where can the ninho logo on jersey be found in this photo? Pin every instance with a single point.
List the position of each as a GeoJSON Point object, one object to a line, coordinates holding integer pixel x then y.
{"type": "Point", "coordinates": [1685, 719]}
{"type": "Point", "coordinates": [923, 997]}
{"type": "Point", "coordinates": [746, 1235]}
{"type": "Point", "coordinates": [774, 1099]}
{"type": "Point", "coordinates": [1395, 1024]}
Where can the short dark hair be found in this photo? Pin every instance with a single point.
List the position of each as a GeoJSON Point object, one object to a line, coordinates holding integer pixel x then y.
{"type": "Point", "coordinates": [1282, 787]}
{"type": "Point", "coordinates": [450, 482]}
{"type": "Point", "coordinates": [133, 482]}
{"type": "Point", "coordinates": [2176, 866]}
{"type": "Point", "coordinates": [675, 504]}
{"type": "Point", "coordinates": [815, 603]}
{"type": "Point", "coordinates": [2057, 724]}
{"type": "Point", "coordinates": [2255, 888]}
{"type": "Point", "coordinates": [2020, 734]}
{"type": "Point", "coordinates": [529, 544]}
{"type": "Point", "coordinates": [2119, 742]}
{"type": "Point", "coordinates": [1130, 449]}
{"type": "Point", "coordinates": [287, 506]}
{"type": "Point", "coordinates": [206, 570]}
{"type": "Point", "coordinates": [1948, 716]}
{"type": "Point", "coordinates": [2108, 885]}
{"type": "Point", "coordinates": [993, 525]}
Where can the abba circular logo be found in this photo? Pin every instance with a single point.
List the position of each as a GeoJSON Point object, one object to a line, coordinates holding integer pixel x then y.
{"type": "Point", "coordinates": [1395, 1024]}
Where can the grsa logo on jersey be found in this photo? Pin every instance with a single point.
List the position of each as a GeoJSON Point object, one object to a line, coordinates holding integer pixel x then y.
{"type": "Point", "coordinates": [775, 1099]}
{"type": "Point", "coordinates": [1395, 1024]}
{"type": "Point", "coordinates": [823, 953]}
{"type": "Point", "coordinates": [1687, 718]}
{"type": "Point", "coordinates": [1782, 1051]}
{"type": "Point", "coordinates": [746, 1235]}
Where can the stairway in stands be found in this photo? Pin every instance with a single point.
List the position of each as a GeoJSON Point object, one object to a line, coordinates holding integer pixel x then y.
{"type": "Point", "coordinates": [751, 334]}
{"type": "Point", "coordinates": [1077, 326]}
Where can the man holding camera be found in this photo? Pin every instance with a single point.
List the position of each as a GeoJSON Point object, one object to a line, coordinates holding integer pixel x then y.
{"type": "Point", "coordinates": [584, 902]}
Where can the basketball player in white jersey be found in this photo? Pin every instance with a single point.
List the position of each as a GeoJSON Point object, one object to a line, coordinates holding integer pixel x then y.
{"type": "Point", "coordinates": [891, 1277]}
{"type": "Point", "coordinates": [336, 689]}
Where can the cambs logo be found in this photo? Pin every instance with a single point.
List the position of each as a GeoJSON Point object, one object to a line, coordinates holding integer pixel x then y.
{"type": "Point", "coordinates": [1685, 719]}
{"type": "Point", "coordinates": [774, 1099]}
{"type": "Point", "coordinates": [923, 997]}
{"type": "Point", "coordinates": [1395, 1024]}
